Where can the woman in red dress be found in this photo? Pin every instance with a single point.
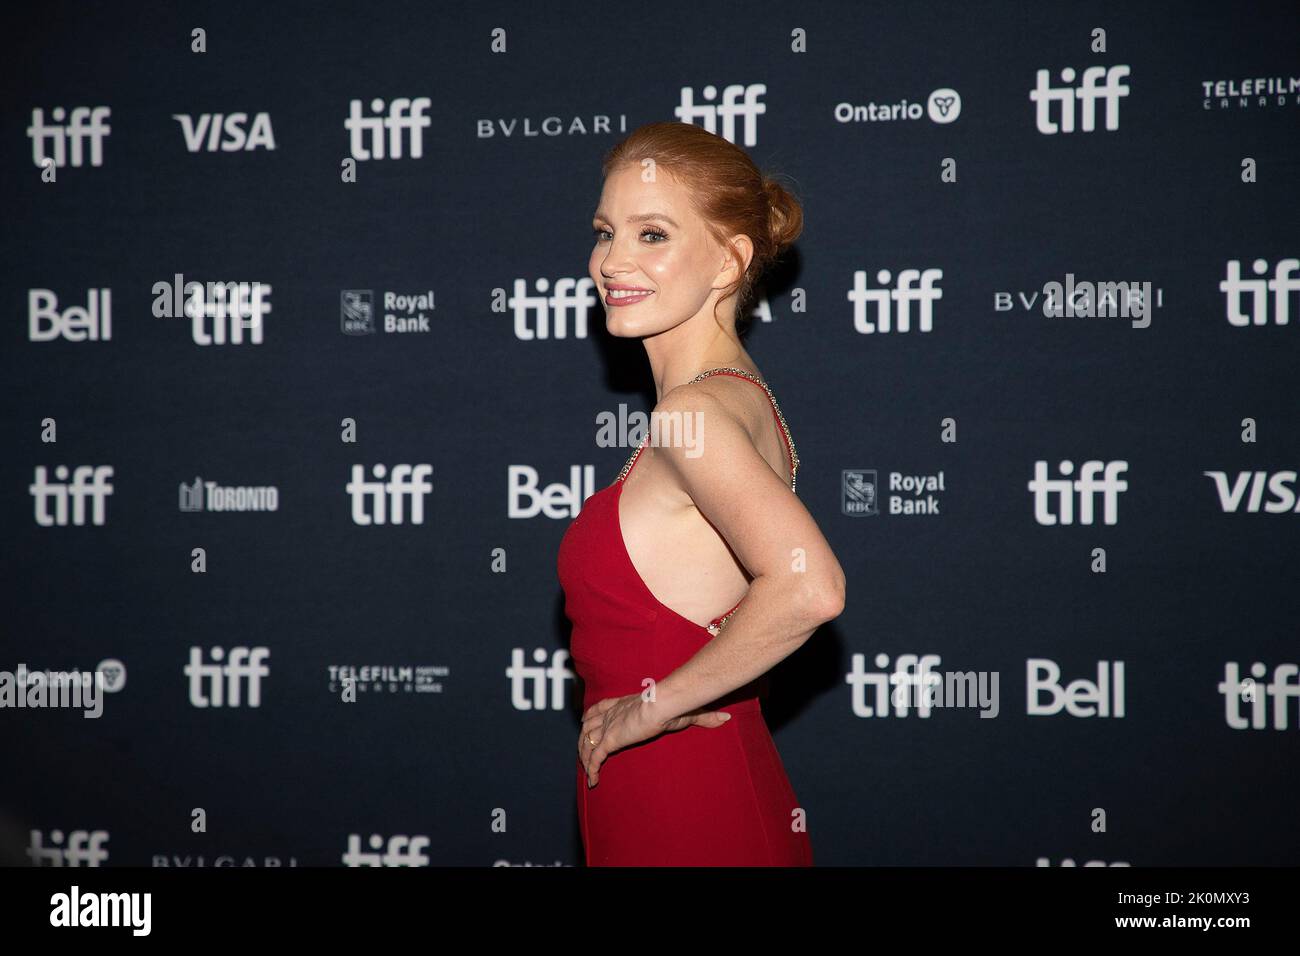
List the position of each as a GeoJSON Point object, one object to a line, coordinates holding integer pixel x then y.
{"type": "Point", "coordinates": [676, 765]}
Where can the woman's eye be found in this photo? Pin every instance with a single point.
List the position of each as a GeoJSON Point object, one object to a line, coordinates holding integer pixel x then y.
{"type": "Point", "coordinates": [659, 236]}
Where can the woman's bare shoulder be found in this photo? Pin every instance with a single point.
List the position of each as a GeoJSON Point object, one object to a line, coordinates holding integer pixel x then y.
{"type": "Point", "coordinates": [735, 398]}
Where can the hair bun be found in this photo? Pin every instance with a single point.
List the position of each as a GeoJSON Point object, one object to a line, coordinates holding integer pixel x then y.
{"type": "Point", "coordinates": [784, 214]}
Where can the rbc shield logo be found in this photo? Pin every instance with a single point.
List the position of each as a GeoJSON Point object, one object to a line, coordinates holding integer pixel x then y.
{"type": "Point", "coordinates": [357, 311]}
{"type": "Point", "coordinates": [858, 493]}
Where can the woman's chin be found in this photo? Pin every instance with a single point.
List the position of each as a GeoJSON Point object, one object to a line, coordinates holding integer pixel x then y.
{"type": "Point", "coordinates": [623, 328]}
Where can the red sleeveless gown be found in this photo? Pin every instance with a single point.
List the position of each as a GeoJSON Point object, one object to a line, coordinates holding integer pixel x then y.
{"type": "Point", "coordinates": [691, 797]}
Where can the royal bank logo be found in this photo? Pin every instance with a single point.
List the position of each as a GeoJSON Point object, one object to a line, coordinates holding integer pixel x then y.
{"type": "Point", "coordinates": [905, 493]}
{"type": "Point", "coordinates": [403, 312]}
{"type": "Point", "coordinates": [858, 493]}
{"type": "Point", "coordinates": [357, 311]}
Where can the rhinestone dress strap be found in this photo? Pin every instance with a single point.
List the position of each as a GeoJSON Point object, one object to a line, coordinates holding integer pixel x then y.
{"type": "Point", "coordinates": [794, 455]}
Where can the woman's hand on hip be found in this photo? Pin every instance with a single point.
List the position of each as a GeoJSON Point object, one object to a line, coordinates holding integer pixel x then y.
{"type": "Point", "coordinates": [611, 724]}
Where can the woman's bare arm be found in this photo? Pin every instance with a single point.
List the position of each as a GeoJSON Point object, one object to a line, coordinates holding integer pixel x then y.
{"type": "Point", "coordinates": [797, 582]}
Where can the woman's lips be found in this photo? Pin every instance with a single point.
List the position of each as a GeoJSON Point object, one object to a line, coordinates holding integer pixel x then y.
{"type": "Point", "coordinates": [610, 299]}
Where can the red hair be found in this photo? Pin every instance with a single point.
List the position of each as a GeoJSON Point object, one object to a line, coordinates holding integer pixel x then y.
{"type": "Point", "coordinates": [731, 194]}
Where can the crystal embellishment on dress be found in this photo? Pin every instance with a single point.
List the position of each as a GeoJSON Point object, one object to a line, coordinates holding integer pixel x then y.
{"type": "Point", "coordinates": [716, 627]}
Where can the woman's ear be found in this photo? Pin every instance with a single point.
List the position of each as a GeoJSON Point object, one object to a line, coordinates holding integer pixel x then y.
{"type": "Point", "coordinates": [736, 257]}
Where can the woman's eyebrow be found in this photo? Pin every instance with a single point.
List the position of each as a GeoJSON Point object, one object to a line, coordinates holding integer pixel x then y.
{"type": "Point", "coordinates": [641, 218]}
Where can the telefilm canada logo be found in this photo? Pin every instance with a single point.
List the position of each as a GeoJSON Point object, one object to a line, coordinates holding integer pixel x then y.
{"type": "Point", "coordinates": [1243, 93]}
{"type": "Point", "coordinates": [387, 678]}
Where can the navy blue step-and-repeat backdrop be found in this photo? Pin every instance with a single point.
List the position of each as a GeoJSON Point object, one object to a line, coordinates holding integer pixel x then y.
{"type": "Point", "coordinates": [303, 372]}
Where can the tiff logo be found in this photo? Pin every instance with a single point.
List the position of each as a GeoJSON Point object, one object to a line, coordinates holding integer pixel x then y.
{"type": "Point", "coordinates": [731, 107]}
{"type": "Point", "coordinates": [917, 685]}
{"type": "Point", "coordinates": [231, 307]}
{"type": "Point", "coordinates": [1237, 691]}
{"type": "Point", "coordinates": [1088, 92]}
{"type": "Point", "coordinates": [1087, 485]}
{"type": "Point", "coordinates": [535, 314]}
{"type": "Point", "coordinates": [221, 685]}
{"type": "Point", "coordinates": [66, 140]}
{"type": "Point", "coordinates": [1283, 283]}
{"type": "Point", "coordinates": [904, 294]}
{"type": "Point", "coordinates": [397, 120]}
{"type": "Point", "coordinates": [387, 498]}
{"type": "Point", "coordinates": [399, 850]}
{"type": "Point", "coordinates": [97, 489]}
{"type": "Point", "coordinates": [533, 686]}
{"type": "Point", "coordinates": [84, 848]}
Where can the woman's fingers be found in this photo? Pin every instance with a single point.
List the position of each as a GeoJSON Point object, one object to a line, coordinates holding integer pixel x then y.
{"type": "Point", "coordinates": [599, 707]}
